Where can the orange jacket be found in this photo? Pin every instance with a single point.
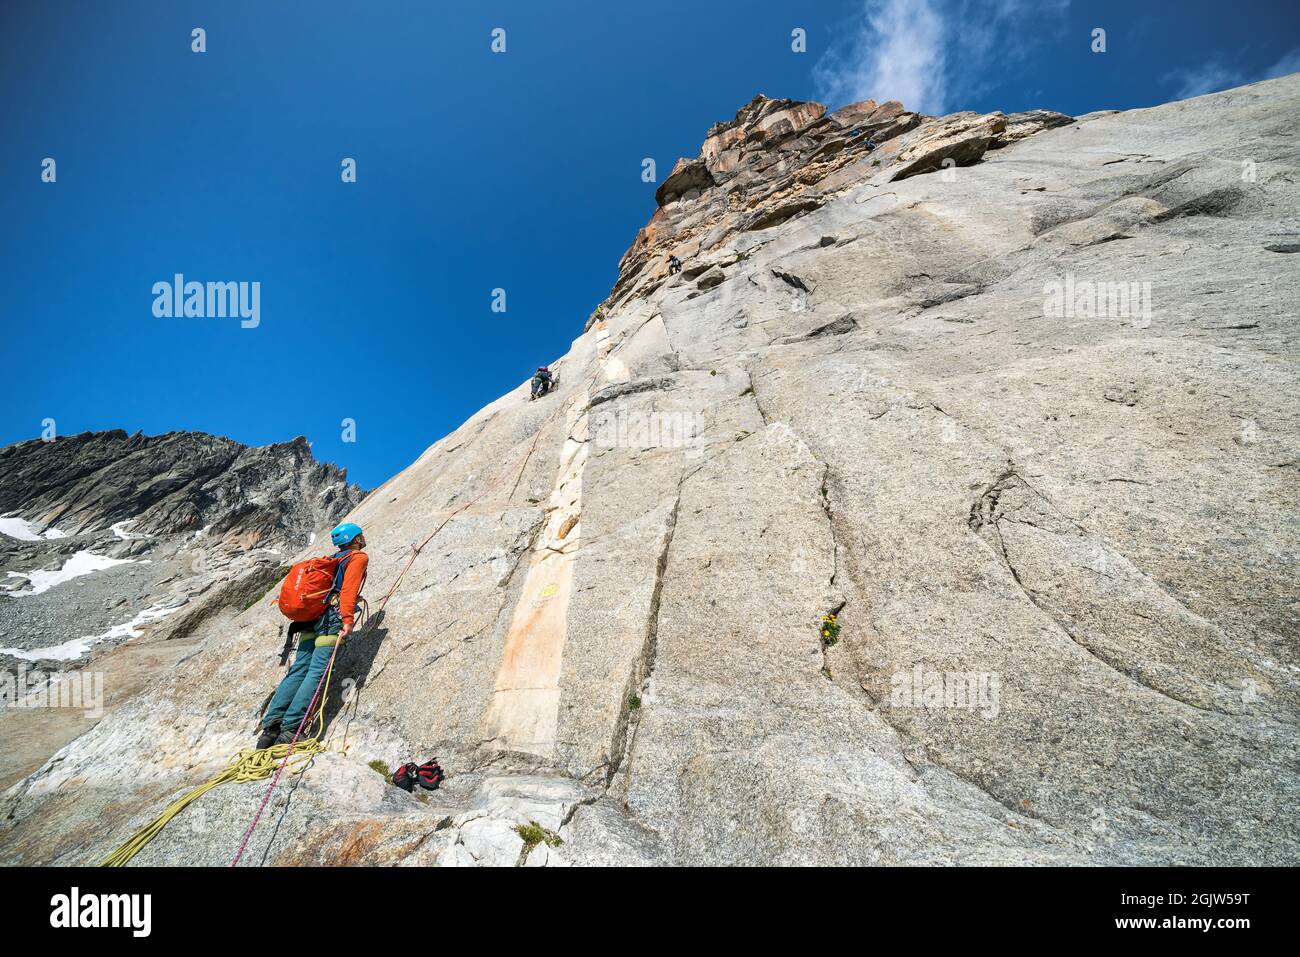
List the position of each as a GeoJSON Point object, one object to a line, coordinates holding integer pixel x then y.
{"type": "Point", "coordinates": [354, 576]}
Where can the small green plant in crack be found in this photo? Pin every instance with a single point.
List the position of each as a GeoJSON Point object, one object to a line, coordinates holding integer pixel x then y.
{"type": "Point", "coordinates": [533, 834]}
{"type": "Point", "coordinates": [749, 391]}
{"type": "Point", "coordinates": [381, 767]}
{"type": "Point", "coordinates": [634, 702]}
{"type": "Point", "coordinates": [830, 630]}
{"type": "Point", "coordinates": [743, 257]}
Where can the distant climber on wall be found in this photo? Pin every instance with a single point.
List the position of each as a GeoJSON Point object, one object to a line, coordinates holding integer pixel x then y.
{"type": "Point", "coordinates": [317, 637]}
{"type": "Point", "coordinates": [543, 382]}
{"type": "Point", "coordinates": [674, 265]}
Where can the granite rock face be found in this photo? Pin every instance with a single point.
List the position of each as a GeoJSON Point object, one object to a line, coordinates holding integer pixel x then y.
{"type": "Point", "coordinates": [1024, 423]}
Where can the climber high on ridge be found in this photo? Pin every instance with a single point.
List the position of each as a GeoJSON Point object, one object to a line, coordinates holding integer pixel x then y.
{"type": "Point", "coordinates": [543, 382]}
{"type": "Point", "coordinates": [344, 574]}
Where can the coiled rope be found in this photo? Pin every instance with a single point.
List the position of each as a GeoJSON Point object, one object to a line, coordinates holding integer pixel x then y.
{"type": "Point", "coordinates": [248, 765]}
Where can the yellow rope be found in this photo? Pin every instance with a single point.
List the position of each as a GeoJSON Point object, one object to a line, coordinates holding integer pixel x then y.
{"type": "Point", "coordinates": [248, 765]}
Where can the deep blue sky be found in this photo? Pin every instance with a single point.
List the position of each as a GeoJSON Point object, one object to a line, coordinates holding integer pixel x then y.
{"type": "Point", "coordinates": [475, 171]}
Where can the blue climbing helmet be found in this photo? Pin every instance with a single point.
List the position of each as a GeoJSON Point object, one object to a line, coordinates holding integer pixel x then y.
{"type": "Point", "coordinates": [344, 534]}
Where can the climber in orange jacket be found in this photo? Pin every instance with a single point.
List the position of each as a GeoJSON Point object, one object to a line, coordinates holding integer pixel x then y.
{"type": "Point", "coordinates": [289, 704]}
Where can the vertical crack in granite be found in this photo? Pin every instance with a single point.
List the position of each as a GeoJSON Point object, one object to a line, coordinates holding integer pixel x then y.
{"type": "Point", "coordinates": [643, 669]}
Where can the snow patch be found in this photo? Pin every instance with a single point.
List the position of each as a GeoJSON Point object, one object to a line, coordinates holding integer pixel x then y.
{"type": "Point", "coordinates": [68, 651]}
{"type": "Point", "coordinates": [79, 647]}
{"type": "Point", "coordinates": [82, 563]}
{"type": "Point", "coordinates": [120, 530]}
{"type": "Point", "coordinates": [25, 531]}
{"type": "Point", "coordinates": [19, 529]}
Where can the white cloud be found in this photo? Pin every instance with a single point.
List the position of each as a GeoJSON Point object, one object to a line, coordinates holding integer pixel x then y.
{"type": "Point", "coordinates": [920, 51]}
{"type": "Point", "coordinates": [1210, 77]}
{"type": "Point", "coordinates": [896, 53]}
{"type": "Point", "coordinates": [1213, 75]}
{"type": "Point", "coordinates": [1288, 64]}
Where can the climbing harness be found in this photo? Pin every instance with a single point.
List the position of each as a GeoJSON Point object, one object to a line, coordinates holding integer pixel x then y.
{"type": "Point", "coordinates": [290, 639]}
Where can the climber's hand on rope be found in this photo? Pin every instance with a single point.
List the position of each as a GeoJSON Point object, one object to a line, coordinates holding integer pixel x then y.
{"type": "Point", "coordinates": [345, 631]}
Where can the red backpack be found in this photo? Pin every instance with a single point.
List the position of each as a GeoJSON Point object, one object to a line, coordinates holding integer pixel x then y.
{"type": "Point", "coordinates": [305, 591]}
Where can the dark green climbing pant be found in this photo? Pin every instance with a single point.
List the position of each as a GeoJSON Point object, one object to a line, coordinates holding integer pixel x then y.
{"type": "Point", "coordinates": [293, 697]}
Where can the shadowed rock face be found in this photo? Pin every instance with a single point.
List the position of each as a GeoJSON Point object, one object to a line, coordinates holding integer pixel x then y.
{"type": "Point", "coordinates": [173, 483]}
{"type": "Point", "coordinates": [1027, 427]}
